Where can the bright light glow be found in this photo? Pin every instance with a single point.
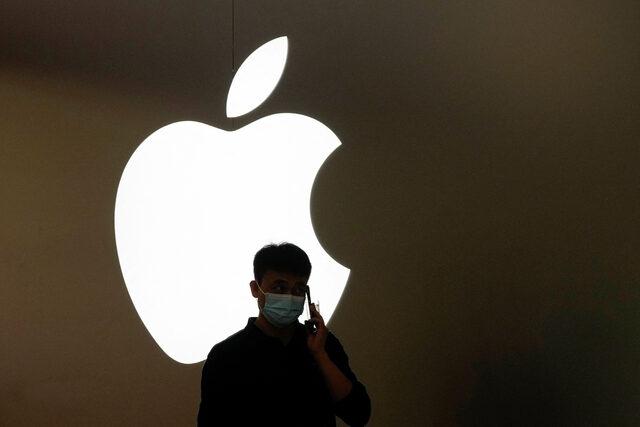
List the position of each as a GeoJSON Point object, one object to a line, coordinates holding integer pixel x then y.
{"type": "Point", "coordinates": [194, 205]}
{"type": "Point", "coordinates": [257, 77]}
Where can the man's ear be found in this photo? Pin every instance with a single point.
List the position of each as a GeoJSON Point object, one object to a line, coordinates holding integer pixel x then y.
{"type": "Point", "coordinates": [254, 289]}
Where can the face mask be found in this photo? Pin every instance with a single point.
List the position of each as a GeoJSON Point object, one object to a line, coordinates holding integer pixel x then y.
{"type": "Point", "coordinates": [281, 310]}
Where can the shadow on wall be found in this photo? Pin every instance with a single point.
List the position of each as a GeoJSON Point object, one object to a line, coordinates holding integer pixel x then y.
{"type": "Point", "coordinates": [586, 372]}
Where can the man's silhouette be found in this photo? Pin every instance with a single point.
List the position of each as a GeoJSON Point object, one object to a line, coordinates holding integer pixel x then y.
{"type": "Point", "coordinates": [276, 371]}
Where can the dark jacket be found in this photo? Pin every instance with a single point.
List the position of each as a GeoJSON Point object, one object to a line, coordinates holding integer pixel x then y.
{"type": "Point", "coordinates": [253, 379]}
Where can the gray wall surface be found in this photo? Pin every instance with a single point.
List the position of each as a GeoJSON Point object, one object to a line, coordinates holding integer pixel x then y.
{"type": "Point", "coordinates": [486, 197]}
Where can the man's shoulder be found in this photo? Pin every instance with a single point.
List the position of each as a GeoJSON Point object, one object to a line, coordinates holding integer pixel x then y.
{"type": "Point", "coordinates": [232, 344]}
{"type": "Point", "coordinates": [333, 341]}
{"type": "Point", "coordinates": [334, 347]}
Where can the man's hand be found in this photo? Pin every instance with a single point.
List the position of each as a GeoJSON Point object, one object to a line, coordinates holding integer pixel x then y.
{"type": "Point", "coordinates": [316, 341]}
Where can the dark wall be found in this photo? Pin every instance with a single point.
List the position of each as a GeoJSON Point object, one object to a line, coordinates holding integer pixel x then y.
{"type": "Point", "coordinates": [486, 197]}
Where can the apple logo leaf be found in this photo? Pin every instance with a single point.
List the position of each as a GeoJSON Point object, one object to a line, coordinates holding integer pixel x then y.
{"type": "Point", "coordinates": [257, 77]}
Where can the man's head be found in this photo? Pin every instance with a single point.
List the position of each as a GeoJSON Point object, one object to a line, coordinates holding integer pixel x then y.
{"type": "Point", "coordinates": [281, 258]}
{"type": "Point", "coordinates": [280, 269]}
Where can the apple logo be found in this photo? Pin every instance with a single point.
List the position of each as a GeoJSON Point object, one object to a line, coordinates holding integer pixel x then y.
{"type": "Point", "coordinates": [195, 203]}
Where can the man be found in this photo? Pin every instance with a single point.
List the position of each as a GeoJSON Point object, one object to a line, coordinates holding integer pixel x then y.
{"type": "Point", "coordinates": [277, 371]}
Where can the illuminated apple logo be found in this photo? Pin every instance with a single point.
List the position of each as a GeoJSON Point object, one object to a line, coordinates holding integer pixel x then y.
{"type": "Point", "coordinates": [195, 203]}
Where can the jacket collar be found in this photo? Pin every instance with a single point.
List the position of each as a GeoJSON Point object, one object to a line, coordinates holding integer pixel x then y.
{"type": "Point", "coordinates": [256, 333]}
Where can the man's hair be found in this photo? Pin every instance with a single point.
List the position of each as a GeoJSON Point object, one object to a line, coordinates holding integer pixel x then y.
{"type": "Point", "coordinates": [282, 258]}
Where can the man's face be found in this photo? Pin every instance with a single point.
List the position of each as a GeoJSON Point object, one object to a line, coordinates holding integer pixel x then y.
{"type": "Point", "coordinates": [279, 283]}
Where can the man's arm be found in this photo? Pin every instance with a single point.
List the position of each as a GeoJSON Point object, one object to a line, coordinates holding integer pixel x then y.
{"type": "Point", "coordinates": [355, 407]}
{"type": "Point", "coordinates": [351, 401]}
{"type": "Point", "coordinates": [338, 384]}
{"type": "Point", "coordinates": [213, 400]}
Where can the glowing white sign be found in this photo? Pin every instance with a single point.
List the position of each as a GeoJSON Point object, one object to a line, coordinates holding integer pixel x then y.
{"type": "Point", "coordinates": [195, 203]}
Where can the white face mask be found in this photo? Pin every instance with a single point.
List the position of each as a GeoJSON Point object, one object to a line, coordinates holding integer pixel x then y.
{"type": "Point", "coordinates": [282, 310]}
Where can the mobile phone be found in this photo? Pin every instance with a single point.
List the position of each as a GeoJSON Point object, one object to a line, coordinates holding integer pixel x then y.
{"type": "Point", "coordinates": [310, 324]}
